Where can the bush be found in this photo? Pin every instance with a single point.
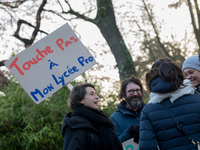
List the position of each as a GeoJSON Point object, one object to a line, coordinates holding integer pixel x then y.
{"type": "Point", "coordinates": [25, 125]}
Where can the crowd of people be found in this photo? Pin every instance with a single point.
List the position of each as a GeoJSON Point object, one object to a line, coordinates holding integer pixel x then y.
{"type": "Point", "coordinates": [169, 121]}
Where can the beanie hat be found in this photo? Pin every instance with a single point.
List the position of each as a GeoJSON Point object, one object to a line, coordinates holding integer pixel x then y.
{"type": "Point", "coordinates": [192, 62]}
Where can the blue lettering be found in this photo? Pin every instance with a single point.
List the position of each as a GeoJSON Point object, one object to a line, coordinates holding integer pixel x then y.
{"type": "Point", "coordinates": [65, 74]}
{"type": "Point", "coordinates": [75, 69]}
{"type": "Point", "coordinates": [70, 71]}
{"type": "Point", "coordinates": [50, 87]}
{"type": "Point", "coordinates": [81, 60]}
{"type": "Point", "coordinates": [45, 91]}
{"type": "Point", "coordinates": [52, 64]}
{"type": "Point", "coordinates": [91, 58]}
{"type": "Point", "coordinates": [58, 82]}
{"type": "Point", "coordinates": [36, 92]}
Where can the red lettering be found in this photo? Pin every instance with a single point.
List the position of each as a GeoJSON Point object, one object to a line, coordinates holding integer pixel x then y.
{"type": "Point", "coordinates": [24, 65]}
{"type": "Point", "coordinates": [34, 61]}
{"type": "Point", "coordinates": [16, 66]}
{"type": "Point", "coordinates": [73, 39]}
{"type": "Point", "coordinates": [59, 42]}
{"type": "Point", "coordinates": [40, 52]}
{"type": "Point", "coordinates": [67, 43]}
{"type": "Point", "coordinates": [41, 55]}
{"type": "Point", "coordinates": [48, 49]}
{"type": "Point", "coordinates": [37, 57]}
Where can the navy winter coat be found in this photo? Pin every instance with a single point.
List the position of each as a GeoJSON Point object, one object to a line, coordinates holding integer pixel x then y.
{"type": "Point", "coordinates": [157, 128]}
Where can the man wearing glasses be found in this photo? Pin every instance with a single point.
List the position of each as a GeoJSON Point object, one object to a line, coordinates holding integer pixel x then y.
{"type": "Point", "coordinates": [126, 117]}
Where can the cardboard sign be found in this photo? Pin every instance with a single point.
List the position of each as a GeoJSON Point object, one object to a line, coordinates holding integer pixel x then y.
{"type": "Point", "coordinates": [130, 145]}
{"type": "Point", "coordinates": [50, 63]}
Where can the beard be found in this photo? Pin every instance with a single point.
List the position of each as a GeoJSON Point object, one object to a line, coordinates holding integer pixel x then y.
{"type": "Point", "coordinates": [134, 103]}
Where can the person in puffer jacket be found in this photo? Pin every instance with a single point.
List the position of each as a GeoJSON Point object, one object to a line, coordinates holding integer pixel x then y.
{"type": "Point", "coordinates": [166, 84]}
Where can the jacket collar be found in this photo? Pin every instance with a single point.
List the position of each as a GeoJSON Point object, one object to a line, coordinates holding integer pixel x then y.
{"type": "Point", "coordinates": [174, 95]}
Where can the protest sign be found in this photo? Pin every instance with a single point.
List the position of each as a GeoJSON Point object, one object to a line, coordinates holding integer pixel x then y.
{"type": "Point", "coordinates": [50, 63]}
{"type": "Point", "coordinates": [130, 145]}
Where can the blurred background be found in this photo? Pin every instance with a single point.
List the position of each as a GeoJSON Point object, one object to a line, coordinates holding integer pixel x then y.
{"type": "Point", "coordinates": [125, 37]}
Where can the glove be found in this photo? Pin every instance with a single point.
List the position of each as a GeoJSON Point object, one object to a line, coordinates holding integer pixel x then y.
{"type": "Point", "coordinates": [136, 137]}
{"type": "Point", "coordinates": [134, 131]}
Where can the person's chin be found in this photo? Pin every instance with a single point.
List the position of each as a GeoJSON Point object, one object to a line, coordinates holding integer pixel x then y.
{"type": "Point", "coordinates": [194, 84]}
{"type": "Point", "coordinates": [96, 107]}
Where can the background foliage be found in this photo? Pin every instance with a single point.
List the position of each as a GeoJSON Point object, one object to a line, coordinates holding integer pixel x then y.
{"type": "Point", "coordinates": [145, 35]}
{"type": "Point", "coordinates": [27, 126]}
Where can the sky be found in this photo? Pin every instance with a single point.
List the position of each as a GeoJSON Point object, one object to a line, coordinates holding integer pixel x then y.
{"type": "Point", "coordinates": [175, 21]}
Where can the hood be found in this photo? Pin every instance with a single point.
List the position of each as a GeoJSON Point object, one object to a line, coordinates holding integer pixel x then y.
{"type": "Point", "coordinates": [155, 84]}
{"type": "Point", "coordinates": [76, 122]}
{"type": "Point", "coordinates": [173, 95]}
{"type": "Point", "coordinates": [150, 76]}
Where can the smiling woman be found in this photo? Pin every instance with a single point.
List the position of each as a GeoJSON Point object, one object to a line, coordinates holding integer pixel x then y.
{"type": "Point", "coordinates": [191, 68]}
{"type": "Point", "coordinates": [87, 127]}
{"type": "Point", "coordinates": [91, 98]}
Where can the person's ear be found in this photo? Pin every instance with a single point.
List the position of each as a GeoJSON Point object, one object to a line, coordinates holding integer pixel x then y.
{"type": "Point", "coordinates": [82, 102]}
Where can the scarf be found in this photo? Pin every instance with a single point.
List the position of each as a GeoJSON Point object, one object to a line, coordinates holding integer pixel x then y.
{"type": "Point", "coordinates": [174, 95]}
{"type": "Point", "coordinates": [105, 126]}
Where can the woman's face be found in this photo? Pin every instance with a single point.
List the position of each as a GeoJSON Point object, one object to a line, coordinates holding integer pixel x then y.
{"type": "Point", "coordinates": [193, 75]}
{"type": "Point", "coordinates": [91, 98]}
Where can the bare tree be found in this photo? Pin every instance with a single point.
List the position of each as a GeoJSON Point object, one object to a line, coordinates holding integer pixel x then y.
{"type": "Point", "coordinates": [153, 46]}
{"type": "Point", "coordinates": [104, 20]}
{"type": "Point", "coordinates": [194, 14]}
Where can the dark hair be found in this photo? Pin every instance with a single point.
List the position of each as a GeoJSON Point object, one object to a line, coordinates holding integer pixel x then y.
{"type": "Point", "coordinates": [126, 82]}
{"type": "Point", "coordinates": [169, 71]}
{"type": "Point", "coordinates": [77, 94]}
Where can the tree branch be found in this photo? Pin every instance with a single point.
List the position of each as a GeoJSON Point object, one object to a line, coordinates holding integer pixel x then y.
{"type": "Point", "coordinates": [28, 42]}
{"type": "Point", "coordinates": [78, 15]}
{"type": "Point", "coordinates": [197, 10]}
{"type": "Point", "coordinates": [10, 4]}
{"type": "Point", "coordinates": [2, 63]}
{"type": "Point", "coordinates": [155, 30]}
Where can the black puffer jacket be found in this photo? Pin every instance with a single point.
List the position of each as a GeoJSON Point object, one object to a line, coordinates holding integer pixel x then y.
{"type": "Point", "coordinates": [79, 134]}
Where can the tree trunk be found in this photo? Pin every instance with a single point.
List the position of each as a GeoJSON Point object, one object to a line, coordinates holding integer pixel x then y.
{"type": "Point", "coordinates": [196, 30]}
{"type": "Point", "coordinates": [105, 20]}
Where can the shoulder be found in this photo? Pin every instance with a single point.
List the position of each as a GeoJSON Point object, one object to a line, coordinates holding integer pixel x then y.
{"type": "Point", "coordinates": [116, 114]}
{"type": "Point", "coordinates": [119, 113]}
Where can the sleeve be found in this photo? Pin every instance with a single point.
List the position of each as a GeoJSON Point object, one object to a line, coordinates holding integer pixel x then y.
{"type": "Point", "coordinates": [147, 135]}
{"type": "Point", "coordinates": [122, 135]}
{"type": "Point", "coordinates": [75, 140]}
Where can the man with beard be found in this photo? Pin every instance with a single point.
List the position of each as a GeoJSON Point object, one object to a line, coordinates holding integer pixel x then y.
{"type": "Point", "coordinates": [126, 117]}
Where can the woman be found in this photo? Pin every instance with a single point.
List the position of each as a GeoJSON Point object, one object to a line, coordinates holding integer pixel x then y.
{"type": "Point", "coordinates": [86, 127]}
{"type": "Point", "coordinates": [166, 83]}
{"type": "Point", "coordinates": [191, 68]}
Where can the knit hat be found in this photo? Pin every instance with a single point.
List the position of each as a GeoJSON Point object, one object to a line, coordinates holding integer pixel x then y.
{"type": "Point", "coordinates": [192, 62]}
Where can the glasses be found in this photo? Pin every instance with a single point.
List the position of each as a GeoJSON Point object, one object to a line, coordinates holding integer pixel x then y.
{"type": "Point", "coordinates": [138, 91]}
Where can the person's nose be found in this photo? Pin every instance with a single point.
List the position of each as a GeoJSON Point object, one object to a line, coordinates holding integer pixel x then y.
{"type": "Point", "coordinates": [189, 76]}
{"type": "Point", "coordinates": [97, 97]}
